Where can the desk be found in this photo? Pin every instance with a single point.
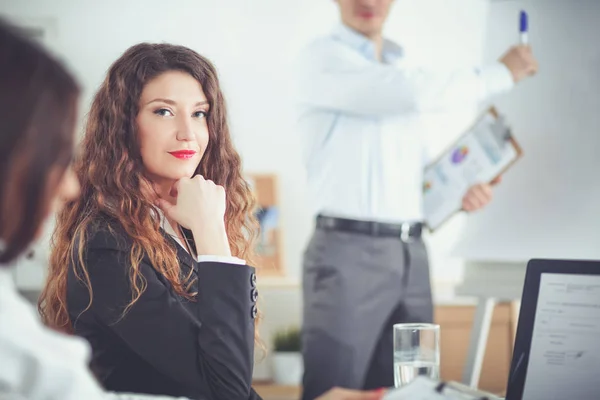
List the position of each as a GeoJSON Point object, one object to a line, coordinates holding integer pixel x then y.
{"type": "Point", "coordinates": [274, 392]}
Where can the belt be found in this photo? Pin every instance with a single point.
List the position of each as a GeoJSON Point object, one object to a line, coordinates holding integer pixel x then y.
{"type": "Point", "coordinates": [406, 231]}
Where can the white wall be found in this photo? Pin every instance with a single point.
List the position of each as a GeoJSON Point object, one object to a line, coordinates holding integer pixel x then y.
{"type": "Point", "coordinates": [253, 44]}
{"type": "Point", "coordinates": [555, 118]}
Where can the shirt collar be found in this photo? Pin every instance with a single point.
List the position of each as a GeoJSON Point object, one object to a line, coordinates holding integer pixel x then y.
{"type": "Point", "coordinates": [166, 226]}
{"type": "Point", "coordinates": [170, 231]}
{"type": "Point", "coordinates": [391, 51]}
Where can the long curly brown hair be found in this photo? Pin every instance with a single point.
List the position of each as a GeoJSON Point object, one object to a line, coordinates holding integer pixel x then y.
{"type": "Point", "coordinates": [110, 169]}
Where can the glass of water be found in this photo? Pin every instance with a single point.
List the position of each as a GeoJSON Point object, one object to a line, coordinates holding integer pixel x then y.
{"type": "Point", "coordinates": [416, 352]}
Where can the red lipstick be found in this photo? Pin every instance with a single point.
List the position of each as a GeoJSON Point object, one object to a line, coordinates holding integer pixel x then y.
{"type": "Point", "coordinates": [183, 154]}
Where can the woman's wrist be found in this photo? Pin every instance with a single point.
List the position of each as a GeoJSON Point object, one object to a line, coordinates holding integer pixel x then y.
{"type": "Point", "coordinates": [211, 240]}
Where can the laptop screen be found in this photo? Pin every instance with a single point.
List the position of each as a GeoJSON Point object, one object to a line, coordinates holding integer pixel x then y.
{"type": "Point", "coordinates": [564, 360]}
{"type": "Point", "coordinates": [557, 352]}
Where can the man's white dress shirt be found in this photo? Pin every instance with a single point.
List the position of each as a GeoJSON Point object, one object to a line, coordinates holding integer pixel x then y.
{"type": "Point", "coordinates": [361, 123]}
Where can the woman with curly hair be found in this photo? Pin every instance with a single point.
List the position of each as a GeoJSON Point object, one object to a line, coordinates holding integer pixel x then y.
{"type": "Point", "coordinates": [149, 263]}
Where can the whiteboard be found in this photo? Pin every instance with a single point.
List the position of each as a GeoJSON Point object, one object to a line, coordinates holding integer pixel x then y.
{"type": "Point", "coordinates": [549, 204]}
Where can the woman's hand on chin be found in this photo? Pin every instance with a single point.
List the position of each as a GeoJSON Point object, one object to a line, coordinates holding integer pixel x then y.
{"type": "Point", "coordinates": [200, 206]}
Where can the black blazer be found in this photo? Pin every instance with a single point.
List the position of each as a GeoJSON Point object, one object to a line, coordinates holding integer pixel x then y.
{"type": "Point", "coordinates": [165, 344]}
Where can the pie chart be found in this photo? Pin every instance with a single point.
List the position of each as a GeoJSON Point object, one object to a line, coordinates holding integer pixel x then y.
{"type": "Point", "coordinates": [459, 154]}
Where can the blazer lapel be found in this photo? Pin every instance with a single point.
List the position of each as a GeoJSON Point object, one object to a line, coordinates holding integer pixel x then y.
{"type": "Point", "coordinates": [186, 263]}
{"type": "Point", "coordinates": [189, 237]}
{"type": "Point", "coordinates": [182, 255]}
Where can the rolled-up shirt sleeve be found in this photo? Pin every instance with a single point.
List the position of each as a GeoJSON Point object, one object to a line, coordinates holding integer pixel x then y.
{"type": "Point", "coordinates": [337, 78]}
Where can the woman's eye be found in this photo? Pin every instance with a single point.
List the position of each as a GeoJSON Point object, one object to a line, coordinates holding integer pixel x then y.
{"type": "Point", "coordinates": [163, 112]}
{"type": "Point", "coordinates": [200, 114]}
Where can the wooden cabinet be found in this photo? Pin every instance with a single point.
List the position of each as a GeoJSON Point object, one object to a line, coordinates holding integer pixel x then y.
{"type": "Point", "coordinates": [455, 330]}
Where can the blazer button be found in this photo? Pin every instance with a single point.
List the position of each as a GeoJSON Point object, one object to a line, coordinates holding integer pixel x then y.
{"type": "Point", "coordinates": [254, 312]}
{"type": "Point", "coordinates": [254, 295]}
{"type": "Point", "coordinates": [253, 279]}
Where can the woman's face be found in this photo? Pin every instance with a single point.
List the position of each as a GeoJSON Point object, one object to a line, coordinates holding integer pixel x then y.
{"type": "Point", "coordinates": [172, 126]}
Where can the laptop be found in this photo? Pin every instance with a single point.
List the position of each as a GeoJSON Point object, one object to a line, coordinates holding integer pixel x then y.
{"type": "Point", "coordinates": [557, 346]}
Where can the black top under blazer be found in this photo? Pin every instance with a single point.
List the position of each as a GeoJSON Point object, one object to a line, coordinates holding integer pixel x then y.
{"type": "Point", "coordinates": [165, 344]}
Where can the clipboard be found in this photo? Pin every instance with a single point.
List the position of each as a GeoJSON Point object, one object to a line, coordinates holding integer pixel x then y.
{"type": "Point", "coordinates": [484, 152]}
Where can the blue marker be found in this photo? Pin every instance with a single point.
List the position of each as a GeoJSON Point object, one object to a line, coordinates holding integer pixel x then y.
{"type": "Point", "coordinates": [524, 27]}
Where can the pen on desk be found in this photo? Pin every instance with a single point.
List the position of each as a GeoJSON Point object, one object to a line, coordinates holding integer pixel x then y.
{"type": "Point", "coordinates": [524, 27]}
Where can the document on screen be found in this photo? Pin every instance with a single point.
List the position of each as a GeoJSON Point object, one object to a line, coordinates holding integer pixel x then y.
{"type": "Point", "coordinates": [564, 360]}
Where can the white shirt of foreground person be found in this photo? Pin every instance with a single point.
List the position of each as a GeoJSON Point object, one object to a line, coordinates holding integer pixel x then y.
{"type": "Point", "coordinates": [37, 363]}
{"type": "Point", "coordinates": [360, 120]}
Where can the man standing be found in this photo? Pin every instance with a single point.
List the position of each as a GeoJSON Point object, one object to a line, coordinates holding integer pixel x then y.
{"type": "Point", "coordinates": [366, 266]}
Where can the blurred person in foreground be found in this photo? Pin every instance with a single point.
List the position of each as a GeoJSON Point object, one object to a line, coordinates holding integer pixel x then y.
{"type": "Point", "coordinates": [366, 266]}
